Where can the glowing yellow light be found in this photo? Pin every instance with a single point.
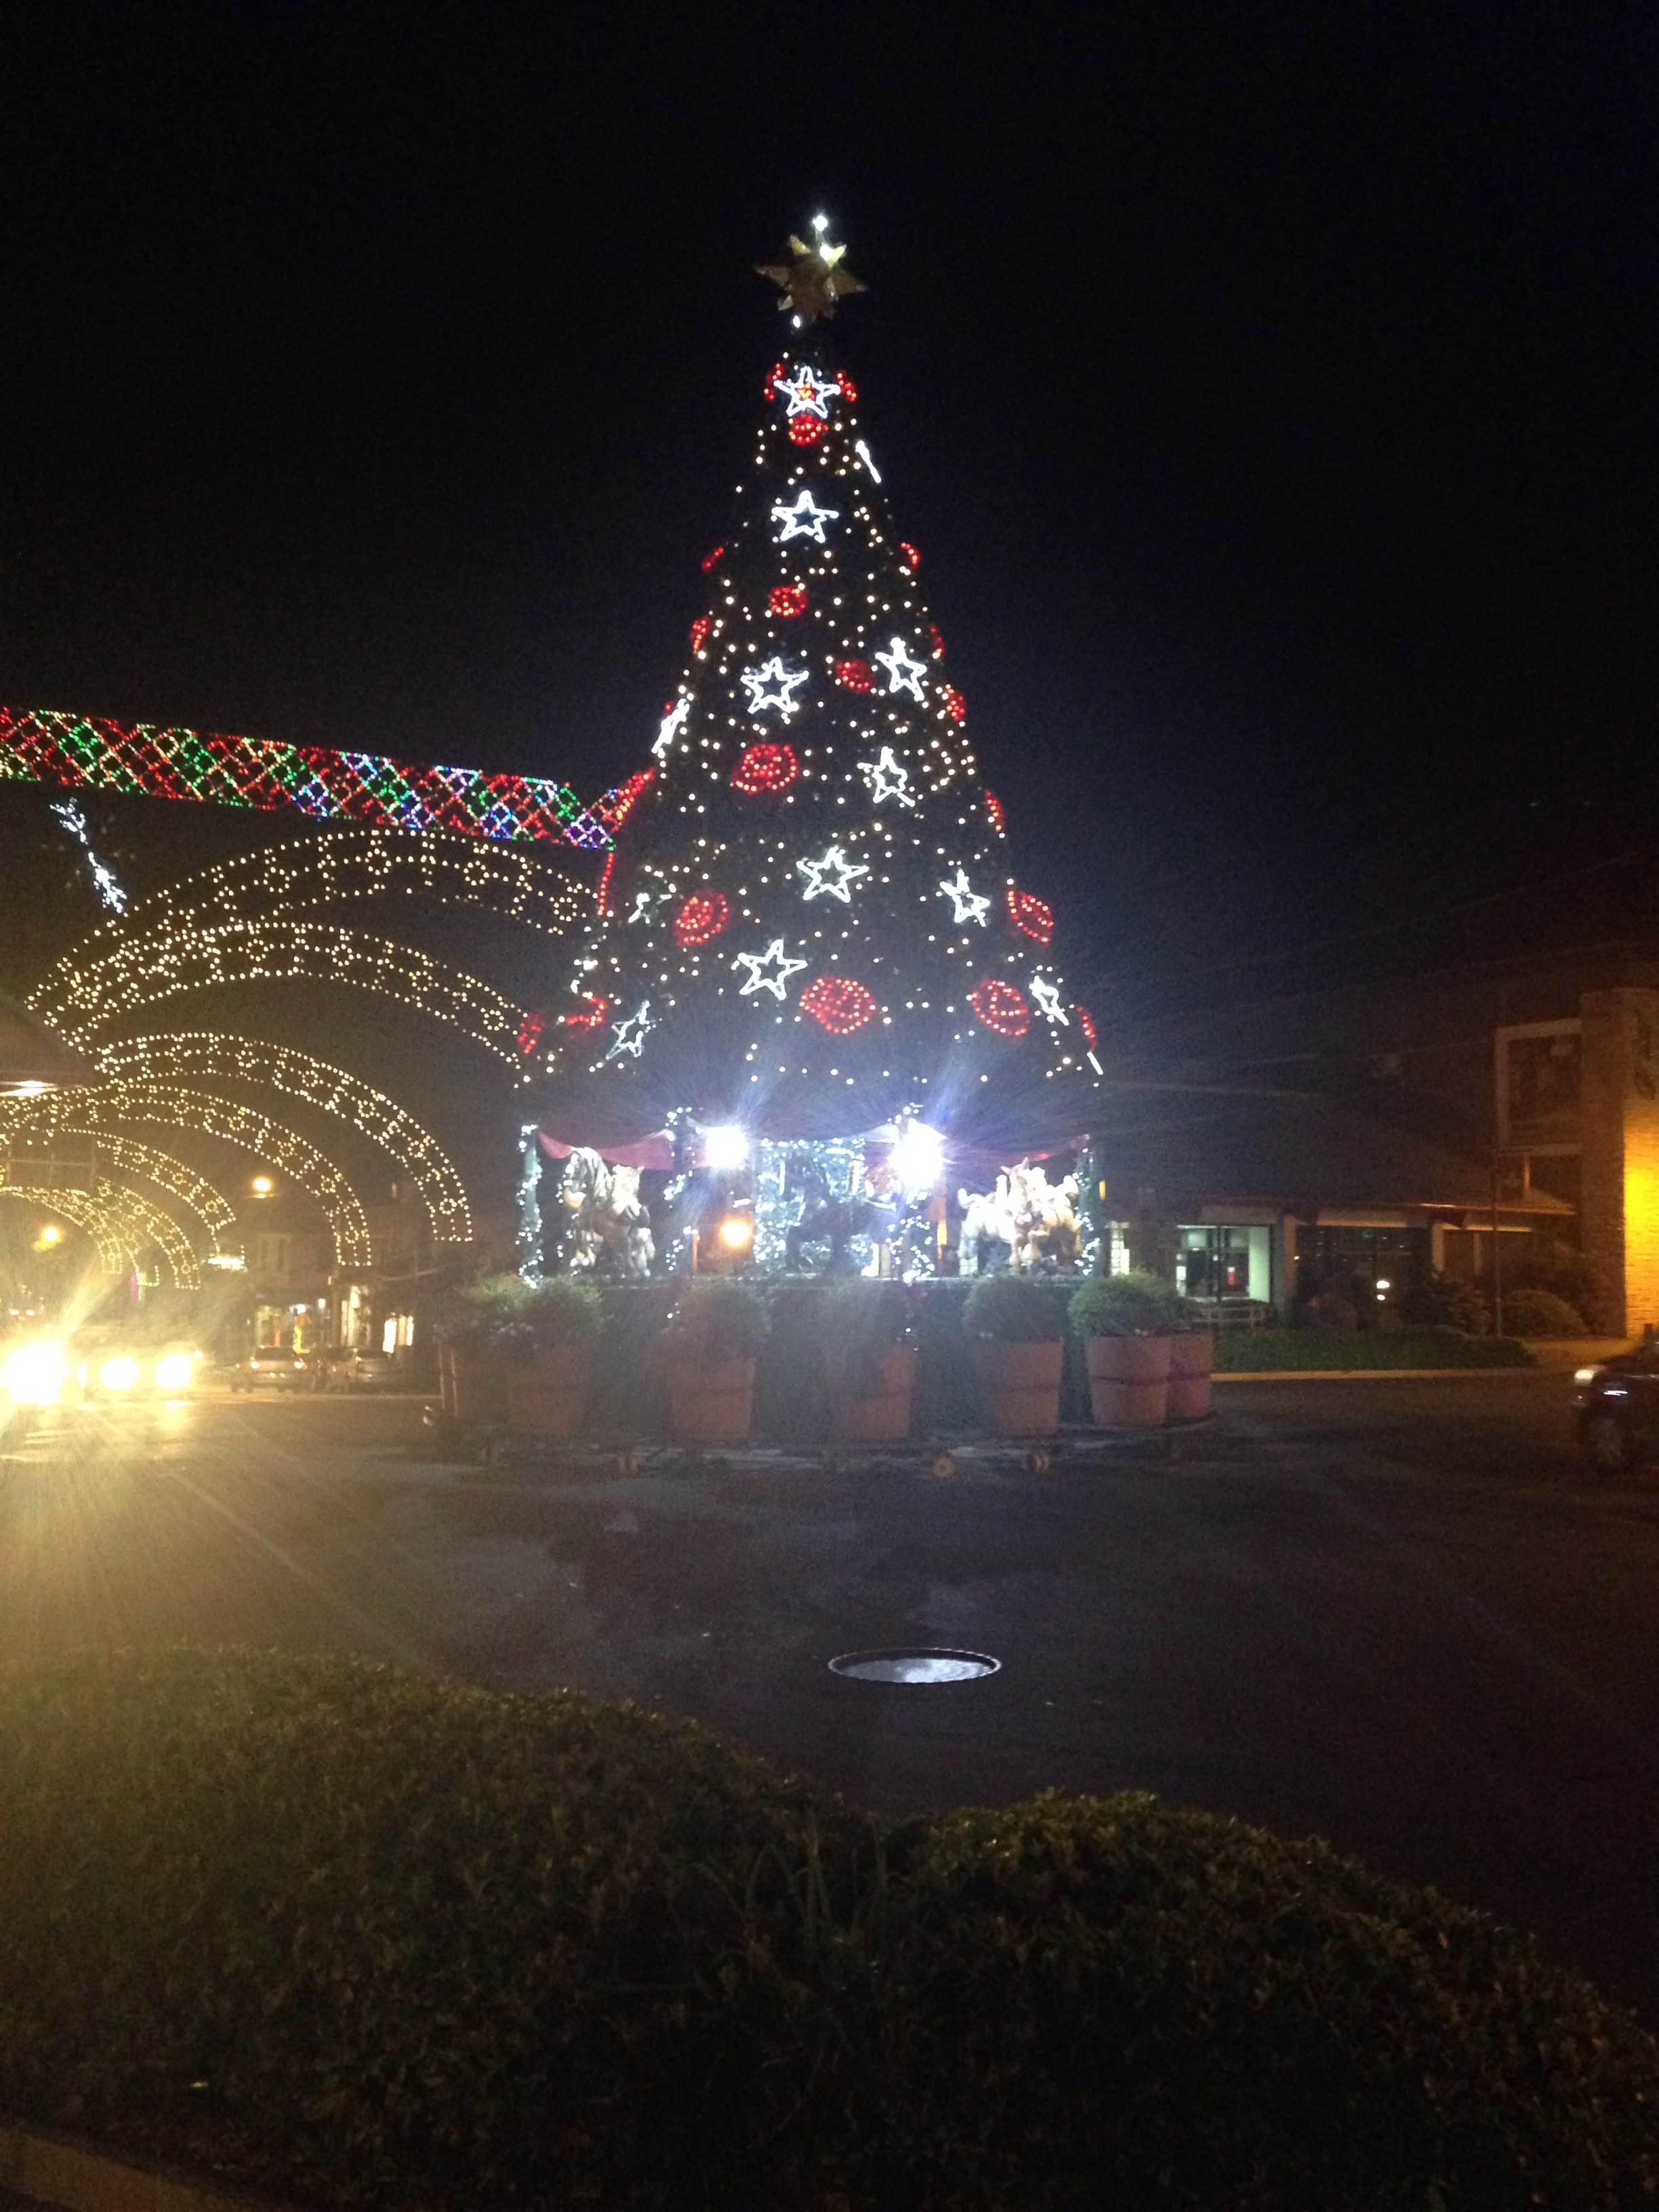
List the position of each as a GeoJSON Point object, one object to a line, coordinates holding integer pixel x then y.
{"type": "Point", "coordinates": [34, 1374]}
{"type": "Point", "coordinates": [52, 1233]}
{"type": "Point", "coordinates": [263, 1186]}
{"type": "Point", "coordinates": [118, 1374]}
{"type": "Point", "coordinates": [175, 1371]}
{"type": "Point", "coordinates": [737, 1232]}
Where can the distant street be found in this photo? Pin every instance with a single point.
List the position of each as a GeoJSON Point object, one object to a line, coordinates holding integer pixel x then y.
{"type": "Point", "coordinates": [1396, 1614]}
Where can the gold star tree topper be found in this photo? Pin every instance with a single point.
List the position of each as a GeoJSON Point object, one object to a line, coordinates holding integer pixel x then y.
{"type": "Point", "coordinates": [814, 279]}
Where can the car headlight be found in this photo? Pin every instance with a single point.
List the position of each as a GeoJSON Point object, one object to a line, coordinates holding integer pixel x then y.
{"type": "Point", "coordinates": [175, 1371]}
{"type": "Point", "coordinates": [119, 1373]}
{"type": "Point", "coordinates": [1586, 1374]}
{"type": "Point", "coordinates": [34, 1374]}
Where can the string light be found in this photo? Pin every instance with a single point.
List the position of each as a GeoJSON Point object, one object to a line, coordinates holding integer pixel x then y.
{"type": "Point", "coordinates": [968, 904]}
{"type": "Point", "coordinates": [765, 768]}
{"type": "Point", "coordinates": [756, 681]}
{"type": "Point", "coordinates": [805, 519]}
{"type": "Point", "coordinates": [1031, 916]}
{"type": "Point", "coordinates": [777, 960]}
{"type": "Point", "coordinates": [834, 874]}
{"type": "Point", "coordinates": [1000, 1007]}
{"type": "Point", "coordinates": [1049, 1005]}
{"type": "Point", "coordinates": [48, 747]}
{"type": "Point", "coordinates": [109, 892]}
{"type": "Point", "coordinates": [838, 1004]}
{"type": "Point", "coordinates": [888, 778]}
{"type": "Point", "coordinates": [159, 964]}
{"type": "Point", "coordinates": [224, 1057]}
{"type": "Point", "coordinates": [994, 808]}
{"type": "Point", "coordinates": [674, 721]}
{"type": "Point", "coordinates": [111, 1245]}
{"type": "Point", "coordinates": [805, 393]}
{"type": "Point", "coordinates": [788, 601]}
{"type": "Point", "coordinates": [953, 702]}
{"type": "Point", "coordinates": [210, 1205]}
{"type": "Point", "coordinates": [704, 915]}
{"type": "Point", "coordinates": [855, 675]}
{"type": "Point", "coordinates": [903, 673]}
{"type": "Point", "coordinates": [631, 1033]}
{"type": "Point", "coordinates": [699, 630]}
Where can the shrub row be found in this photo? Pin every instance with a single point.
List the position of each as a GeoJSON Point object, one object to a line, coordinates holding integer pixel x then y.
{"type": "Point", "coordinates": [1259, 1351]}
{"type": "Point", "coordinates": [412, 1945]}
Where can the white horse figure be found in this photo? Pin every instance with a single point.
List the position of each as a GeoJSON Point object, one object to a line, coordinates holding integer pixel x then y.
{"type": "Point", "coordinates": [1045, 1217]}
{"type": "Point", "coordinates": [985, 1214]}
{"type": "Point", "coordinates": [610, 1217]}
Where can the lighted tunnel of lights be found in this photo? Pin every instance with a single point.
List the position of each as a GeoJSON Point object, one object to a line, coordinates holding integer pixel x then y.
{"type": "Point", "coordinates": [84, 752]}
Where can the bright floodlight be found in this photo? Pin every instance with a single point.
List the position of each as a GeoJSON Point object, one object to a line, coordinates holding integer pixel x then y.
{"type": "Point", "coordinates": [737, 1232]}
{"type": "Point", "coordinates": [725, 1148]}
{"type": "Point", "coordinates": [174, 1370]}
{"type": "Point", "coordinates": [34, 1374]}
{"type": "Point", "coordinates": [119, 1373]}
{"type": "Point", "coordinates": [820, 222]}
{"type": "Point", "coordinates": [263, 1186]}
{"type": "Point", "coordinates": [918, 1158]}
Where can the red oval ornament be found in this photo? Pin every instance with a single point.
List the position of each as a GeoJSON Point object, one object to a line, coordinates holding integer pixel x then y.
{"type": "Point", "coordinates": [1000, 1007]}
{"type": "Point", "coordinates": [847, 389]}
{"type": "Point", "coordinates": [704, 915]}
{"type": "Point", "coordinates": [994, 808]}
{"type": "Point", "coordinates": [787, 600]}
{"type": "Point", "coordinates": [839, 1005]}
{"type": "Point", "coordinates": [806, 430]}
{"type": "Point", "coordinates": [908, 555]}
{"type": "Point", "coordinates": [699, 630]}
{"type": "Point", "coordinates": [855, 675]}
{"type": "Point", "coordinates": [709, 559]}
{"type": "Point", "coordinates": [765, 768]}
{"type": "Point", "coordinates": [779, 375]}
{"type": "Point", "coordinates": [1086, 1022]}
{"type": "Point", "coordinates": [953, 702]}
{"type": "Point", "coordinates": [530, 1033]}
{"type": "Point", "coordinates": [1033, 917]}
{"type": "Point", "coordinates": [590, 1012]}
{"type": "Point", "coordinates": [938, 643]}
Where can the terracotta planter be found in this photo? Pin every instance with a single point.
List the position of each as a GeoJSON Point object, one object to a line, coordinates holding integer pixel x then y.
{"type": "Point", "coordinates": [1190, 1360]}
{"type": "Point", "coordinates": [478, 1384]}
{"type": "Point", "coordinates": [549, 1396]}
{"type": "Point", "coordinates": [864, 1414]}
{"type": "Point", "coordinates": [1019, 1386]}
{"type": "Point", "coordinates": [711, 1405]}
{"type": "Point", "coordinates": [1129, 1379]}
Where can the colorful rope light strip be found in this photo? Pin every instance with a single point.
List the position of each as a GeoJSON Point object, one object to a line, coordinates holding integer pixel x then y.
{"type": "Point", "coordinates": [38, 745]}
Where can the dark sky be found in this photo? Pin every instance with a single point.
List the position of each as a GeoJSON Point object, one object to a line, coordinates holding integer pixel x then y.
{"type": "Point", "coordinates": [1270, 392]}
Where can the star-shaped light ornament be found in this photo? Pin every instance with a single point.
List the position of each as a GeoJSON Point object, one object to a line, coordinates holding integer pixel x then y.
{"type": "Point", "coordinates": [645, 900]}
{"type": "Point", "coordinates": [812, 278]}
{"type": "Point", "coordinates": [805, 519]}
{"type": "Point", "coordinates": [903, 674]}
{"type": "Point", "coordinates": [806, 392]}
{"type": "Point", "coordinates": [756, 681]}
{"type": "Point", "coordinates": [835, 873]}
{"type": "Point", "coordinates": [969, 904]}
{"type": "Point", "coordinates": [1049, 1001]}
{"type": "Point", "coordinates": [888, 778]}
{"type": "Point", "coordinates": [630, 1034]}
{"type": "Point", "coordinates": [775, 958]}
{"type": "Point", "coordinates": [673, 722]}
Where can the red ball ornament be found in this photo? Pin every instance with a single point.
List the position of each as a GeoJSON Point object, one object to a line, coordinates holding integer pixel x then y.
{"type": "Point", "coordinates": [838, 1004]}
{"type": "Point", "coordinates": [1000, 1007]}
{"type": "Point", "coordinates": [952, 702]}
{"type": "Point", "coordinates": [806, 430]}
{"type": "Point", "coordinates": [855, 675]}
{"type": "Point", "coordinates": [779, 375]}
{"type": "Point", "coordinates": [1031, 916]}
{"type": "Point", "coordinates": [530, 1033]}
{"type": "Point", "coordinates": [787, 600]}
{"type": "Point", "coordinates": [590, 1014]}
{"type": "Point", "coordinates": [994, 808]}
{"type": "Point", "coordinates": [847, 389]}
{"type": "Point", "coordinates": [700, 629]}
{"type": "Point", "coordinates": [709, 559]}
{"type": "Point", "coordinates": [1086, 1022]}
{"type": "Point", "coordinates": [908, 555]}
{"type": "Point", "coordinates": [765, 768]}
{"type": "Point", "coordinates": [704, 915]}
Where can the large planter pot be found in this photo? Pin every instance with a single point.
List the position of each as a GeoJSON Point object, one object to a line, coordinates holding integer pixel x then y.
{"type": "Point", "coordinates": [1019, 1386]}
{"type": "Point", "coordinates": [478, 1383]}
{"type": "Point", "coordinates": [874, 1410]}
{"type": "Point", "coordinates": [1190, 1361]}
{"type": "Point", "coordinates": [711, 1405]}
{"type": "Point", "coordinates": [1129, 1380]}
{"type": "Point", "coordinates": [549, 1396]}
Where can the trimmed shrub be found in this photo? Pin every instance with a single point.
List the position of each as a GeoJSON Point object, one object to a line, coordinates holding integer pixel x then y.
{"type": "Point", "coordinates": [1541, 1312]}
{"type": "Point", "coordinates": [563, 1309]}
{"type": "Point", "coordinates": [1262, 1351]}
{"type": "Point", "coordinates": [484, 1315]}
{"type": "Point", "coordinates": [719, 1319]}
{"type": "Point", "coordinates": [1015, 1309]}
{"type": "Point", "coordinates": [1443, 1300]}
{"type": "Point", "coordinates": [412, 1945]}
{"type": "Point", "coordinates": [1131, 1305]}
{"type": "Point", "coordinates": [858, 1322]}
{"type": "Point", "coordinates": [1329, 1310]}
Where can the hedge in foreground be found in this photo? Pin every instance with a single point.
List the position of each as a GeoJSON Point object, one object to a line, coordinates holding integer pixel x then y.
{"type": "Point", "coordinates": [1265, 1351]}
{"type": "Point", "coordinates": [429, 1946]}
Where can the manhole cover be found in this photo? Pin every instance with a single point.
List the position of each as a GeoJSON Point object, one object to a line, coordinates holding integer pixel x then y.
{"type": "Point", "coordinates": [915, 1666]}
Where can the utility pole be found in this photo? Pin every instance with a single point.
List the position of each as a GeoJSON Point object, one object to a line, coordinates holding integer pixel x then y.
{"type": "Point", "coordinates": [1496, 1259]}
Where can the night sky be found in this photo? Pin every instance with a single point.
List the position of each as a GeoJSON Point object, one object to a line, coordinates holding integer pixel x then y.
{"type": "Point", "coordinates": [1270, 394]}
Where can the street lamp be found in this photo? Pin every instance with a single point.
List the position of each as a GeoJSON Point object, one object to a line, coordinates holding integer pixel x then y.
{"type": "Point", "coordinates": [262, 1185]}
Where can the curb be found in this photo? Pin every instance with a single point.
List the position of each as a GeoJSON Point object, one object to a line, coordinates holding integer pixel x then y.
{"type": "Point", "coordinates": [56, 2170]}
{"type": "Point", "coordinates": [1379, 1374]}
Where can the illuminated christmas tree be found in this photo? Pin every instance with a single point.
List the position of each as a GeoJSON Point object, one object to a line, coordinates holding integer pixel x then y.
{"type": "Point", "coordinates": [811, 923]}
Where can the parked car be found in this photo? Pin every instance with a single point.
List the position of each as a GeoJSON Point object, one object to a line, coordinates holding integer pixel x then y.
{"type": "Point", "coordinates": [281, 1367]}
{"type": "Point", "coordinates": [363, 1370]}
{"type": "Point", "coordinates": [1616, 1403]}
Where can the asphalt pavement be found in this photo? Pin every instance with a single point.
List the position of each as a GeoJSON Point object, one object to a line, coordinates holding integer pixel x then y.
{"type": "Point", "coordinates": [1396, 1614]}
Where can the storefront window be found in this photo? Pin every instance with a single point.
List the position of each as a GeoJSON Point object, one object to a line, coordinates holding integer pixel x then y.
{"type": "Point", "coordinates": [1219, 1261]}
